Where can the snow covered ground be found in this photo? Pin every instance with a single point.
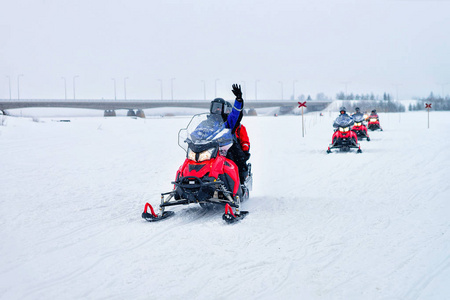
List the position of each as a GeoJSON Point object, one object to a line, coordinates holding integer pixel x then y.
{"type": "Point", "coordinates": [321, 226]}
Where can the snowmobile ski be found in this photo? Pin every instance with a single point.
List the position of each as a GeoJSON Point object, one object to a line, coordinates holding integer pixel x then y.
{"type": "Point", "coordinates": [152, 217]}
{"type": "Point", "coordinates": [231, 217]}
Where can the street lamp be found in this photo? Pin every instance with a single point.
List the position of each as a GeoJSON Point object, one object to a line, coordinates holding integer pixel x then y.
{"type": "Point", "coordinates": [256, 89]}
{"type": "Point", "coordinates": [204, 90]}
{"type": "Point", "coordinates": [281, 89]}
{"type": "Point", "coordinates": [346, 84]}
{"type": "Point", "coordinates": [74, 86]}
{"type": "Point", "coordinates": [442, 86]}
{"type": "Point", "coordinates": [293, 89]}
{"type": "Point", "coordinates": [245, 89]}
{"type": "Point", "coordinates": [171, 87]}
{"type": "Point", "coordinates": [113, 79]}
{"type": "Point", "coordinates": [160, 80]}
{"type": "Point", "coordinates": [215, 88]}
{"type": "Point", "coordinates": [18, 86]}
{"type": "Point", "coordinates": [396, 91]}
{"type": "Point", "coordinates": [9, 78]}
{"type": "Point", "coordinates": [65, 88]}
{"type": "Point", "coordinates": [125, 87]}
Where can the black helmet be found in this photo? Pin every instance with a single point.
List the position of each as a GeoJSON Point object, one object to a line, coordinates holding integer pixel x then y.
{"type": "Point", "coordinates": [374, 111]}
{"type": "Point", "coordinates": [217, 106]}
{"type": "Point", "coordinates": [357, 109]}
{"type": "Point", "coordinates": [342, 109]}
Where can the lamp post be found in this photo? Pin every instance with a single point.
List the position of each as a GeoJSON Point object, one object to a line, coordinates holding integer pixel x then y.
{"type": "Point", "coordinates": [115, 97]}
{"type": "Point", "coordinates": [160, 80]}
{"type": "Point", "coordinates": [215, 88]}
{"type": "Point", "coordinates": [9, 79]}
{"type": "Point", "coordinates": [204, 89]}
{"type": "Point", "coordinates": [281, 89]}
{"type": "Point", "coordinates": [18, 86]}
{"type": "Point", "coordinates": [125, 88]}
{"type": "Point", "coordinates": [65, 88]}
{"type": "Point", "coordinates": [171, 87]}
{"type": "Point", "coordinates": [256, 89]}
{"type": "Point", "coordinates": [346, 84]}
{"type": "Point", "coordinates": [293, 89]}
{"type": "Point", "coordinates": [74, 86]}
{"type": "Point", "coordinates": [396, 91]}
{"type": "Point", "coordinates": [245, 89]}
{"type": "Point", "coordinates": [442, 86]}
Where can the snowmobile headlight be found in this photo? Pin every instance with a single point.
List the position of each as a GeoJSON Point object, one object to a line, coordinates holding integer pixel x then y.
{"type": "Point", "coordinates": [358, 124]}
{"type": "Point", "coordinates": [191, 154]}
{"type": "Point", "coordinates": [373, 120]}
{"type": "Point", "coordinates": [344, 129]}
{"type": "Point", "coordinates": [341, 129]}
{"type": "Point", "coordinates": [206, 155]}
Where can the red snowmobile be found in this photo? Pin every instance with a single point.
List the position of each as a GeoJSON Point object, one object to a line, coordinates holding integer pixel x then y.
{"type": "Point", "coordinates": [344, 138]}
{"type": "Point", "coordinates": [206, 177]}
{"type": "Point", "coordinates": [359, 128]}
{"type": "Point", "coordinates": [374, 122]}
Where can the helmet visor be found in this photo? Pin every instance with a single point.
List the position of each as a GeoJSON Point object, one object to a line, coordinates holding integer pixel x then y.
{"type": "Point", "coordinates": [216, 108]}
{"type": "Point", "coordinates": [228, 109]}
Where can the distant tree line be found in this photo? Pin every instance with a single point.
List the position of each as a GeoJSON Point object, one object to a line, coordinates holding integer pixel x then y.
{"type": "Point", "coordinates": [437, 103]}
{"type": "Point", "coordinates": [371, 96]}
{"type": "Point", "coordinates": [379, 106]}
{"type": "Point", "coordinates": [319, 97]}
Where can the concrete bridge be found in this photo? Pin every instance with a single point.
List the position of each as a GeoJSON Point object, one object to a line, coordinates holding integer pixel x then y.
{"type": "Point", "coordinates": [109, 106]}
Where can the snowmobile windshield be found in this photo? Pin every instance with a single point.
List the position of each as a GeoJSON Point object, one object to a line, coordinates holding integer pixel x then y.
{"type": "Point", "coordinates": [344, 121]}
{"type": "Point", "coordinates": [204, 130]}
{"type": "Point", "coordinates": [358, 117]}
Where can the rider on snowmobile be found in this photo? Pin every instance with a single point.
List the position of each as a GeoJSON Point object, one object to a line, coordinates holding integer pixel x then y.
{"type": "Point", "coordinates": [217, 120]}
{"type": "Point", "coordinates": [374, 114]}
{"type": "Point", "coordinates": [343, 116]}
{"type": "Point", "coordinates": [357, 112]}
{"type": "Point", "coordinates": [231, 118]}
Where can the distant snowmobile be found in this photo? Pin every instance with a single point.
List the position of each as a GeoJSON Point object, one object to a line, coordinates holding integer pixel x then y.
{"type": "Point", "coordinates": [374, 122]}
{"type": "Point", "coordinates": [206, 177]}
{"type": "Point", "coordinates": [359, 128]}
{"type": "Point", "coordinates": [344, 138]}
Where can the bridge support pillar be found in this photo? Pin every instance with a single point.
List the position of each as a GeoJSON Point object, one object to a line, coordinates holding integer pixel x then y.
{"type": "Point", "coordinates": [109, 113]}
{"type": "Point", "coordinates": [131, 113]}
{"type": "Point", "coordinates": [140, 114]}
{"type": "Point", "coordinates": [252, 112]}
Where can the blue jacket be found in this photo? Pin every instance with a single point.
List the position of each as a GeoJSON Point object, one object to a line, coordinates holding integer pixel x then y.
{"type": "Point", "coordinates": [233, 119]}
{"type": "Point", "coordinates": [213, 128]}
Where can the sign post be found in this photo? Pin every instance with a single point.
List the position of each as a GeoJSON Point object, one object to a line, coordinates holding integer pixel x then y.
{"type": "Point", "coordinates": [302, 104]}
{"type": "Point", "coordinates": [428, 106]}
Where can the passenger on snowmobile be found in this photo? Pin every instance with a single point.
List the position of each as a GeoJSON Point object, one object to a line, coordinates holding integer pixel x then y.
{"type": "Point", "coordinates": [358, 127]}
{"type": "Point", "coordinates": [239, 151]}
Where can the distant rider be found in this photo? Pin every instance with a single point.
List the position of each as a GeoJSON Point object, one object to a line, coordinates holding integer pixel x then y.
{"type": "Point", "coordinates": [358, 117]}
{"type": "Point", "coordinates": [374, 114]}
{"type": "Point", "coordinates": [357, 112]}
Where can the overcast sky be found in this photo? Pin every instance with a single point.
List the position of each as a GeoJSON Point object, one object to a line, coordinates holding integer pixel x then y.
{"type": "Point", "coordinates": [395, 46]}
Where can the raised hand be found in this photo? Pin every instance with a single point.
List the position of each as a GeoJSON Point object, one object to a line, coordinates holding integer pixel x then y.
{"type": "Point", "coordinates": [237, 92]}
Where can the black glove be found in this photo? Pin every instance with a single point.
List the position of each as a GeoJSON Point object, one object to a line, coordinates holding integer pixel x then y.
{"type": "Point", "coordinates": [237, 92]}
{"type": "Point", "coordinates": [247, 155]}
